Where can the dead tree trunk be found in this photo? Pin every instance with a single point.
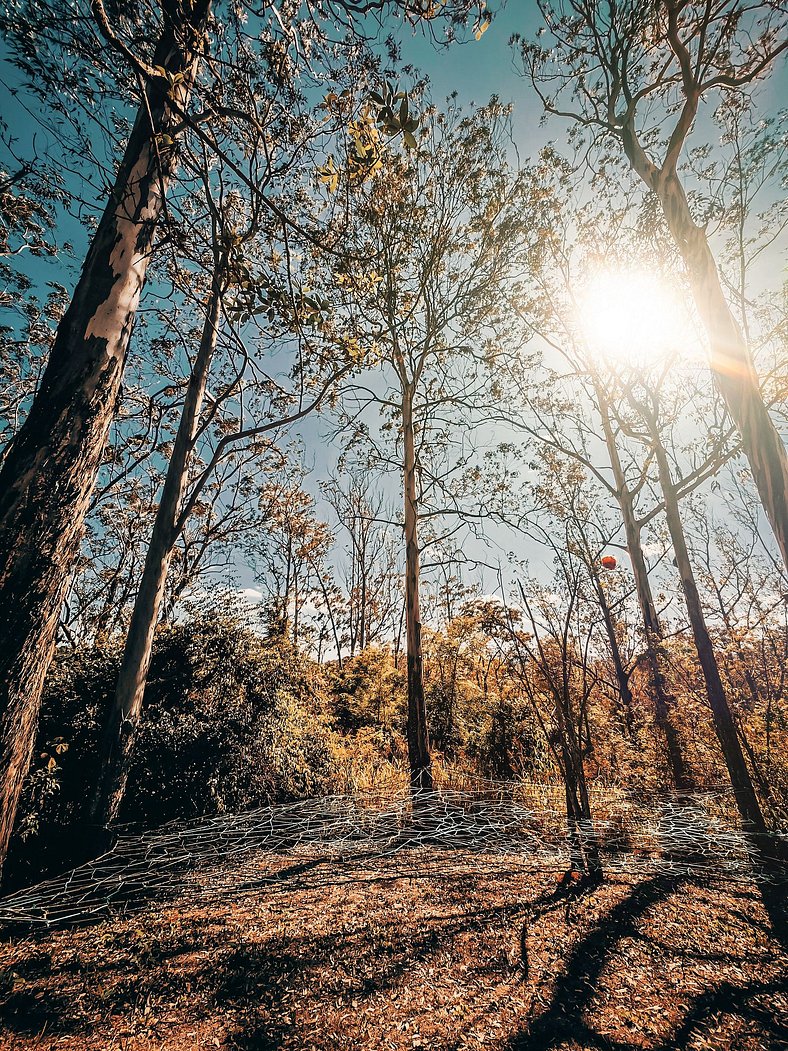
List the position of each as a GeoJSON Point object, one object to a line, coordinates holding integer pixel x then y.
{"type": "Point", "coordinates": [724, 725]}
{"type": "Point", "coordinates": [127, 703]}
{"type": "Point", "coordinates": [664, 701]}
{"type": "Point", "coordinates": [418, 738]}
{"type": "Point", "coordinates": [49, 471]}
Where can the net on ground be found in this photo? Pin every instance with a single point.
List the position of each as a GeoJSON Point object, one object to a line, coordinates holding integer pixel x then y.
{"type": "Point", "coordinates": [525, 822]}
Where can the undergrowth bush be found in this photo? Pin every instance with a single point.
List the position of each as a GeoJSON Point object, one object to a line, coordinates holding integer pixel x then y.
{"type": "Point", "coordinates": [230, 721]}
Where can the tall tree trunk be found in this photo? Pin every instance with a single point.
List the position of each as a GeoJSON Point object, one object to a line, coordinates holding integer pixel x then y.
{"type": "Point", "coordinates": [418, 738]}
{"type": "Point", "coordinates": [622, 676]}
{"type": "Point", "coordinates": [50, 469]}
{"type": "Point", "coordinates": [129, 693]}
{"type": "Point", "coordinates": [363, 600]}
{"type": "Point", "coordinates": [583, 842]}
{"type": "Point", "coordinates": [724, 724]}
{"type": "Point", "coordinates": [731, 362]}
{"type": "Point", "coordinates": [664, 702]}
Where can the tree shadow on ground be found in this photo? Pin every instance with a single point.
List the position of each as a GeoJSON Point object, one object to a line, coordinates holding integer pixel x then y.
{"type": "Point", "coordinates": [245, 979]}
{"type": "Point", "coordinates": [564, 1022]}
{"type": "Point", "coordinates": [108, 898]}
{"type": "Point", "coordinates": [773, 884]}
{"type": "Point", "coordinates": [730, 999]}
{"type": "Point", "coordinates": [256, 974]}
{"type": "Point", "coordinates": [567, 1018]}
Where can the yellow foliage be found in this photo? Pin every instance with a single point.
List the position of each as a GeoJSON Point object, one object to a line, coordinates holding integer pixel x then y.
{"type": "Point", "coordinates": [481, 28]}
{"type": "Point", "coordinates": [364, 152]}
{"type": "Point", "coordinates": [364, 157]}
{"type": "Point", "coordinates": [329, 176]}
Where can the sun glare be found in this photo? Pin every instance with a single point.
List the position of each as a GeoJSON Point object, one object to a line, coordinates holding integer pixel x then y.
{"type": "Point", "coordinates": [631, 317]}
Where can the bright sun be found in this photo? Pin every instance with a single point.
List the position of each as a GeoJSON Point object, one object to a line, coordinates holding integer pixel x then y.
{"type": "Point", "coordinates": [632, 317]}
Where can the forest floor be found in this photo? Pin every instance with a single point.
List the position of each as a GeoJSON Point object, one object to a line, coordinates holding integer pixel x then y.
{"type": "Point", "coordinates": [409, 951]}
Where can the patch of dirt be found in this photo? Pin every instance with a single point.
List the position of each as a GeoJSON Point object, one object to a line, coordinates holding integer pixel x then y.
{"type": "Point", "coordinates": [417, 950]}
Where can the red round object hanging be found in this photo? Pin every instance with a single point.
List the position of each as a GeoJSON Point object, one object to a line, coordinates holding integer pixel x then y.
{"type": "Point", "coordinates": [609, 562]}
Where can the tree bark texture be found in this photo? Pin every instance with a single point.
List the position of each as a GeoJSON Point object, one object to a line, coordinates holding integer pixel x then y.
{"type": "Point", "coordinates": [418, 738]}
{"type": "Point", "coordinates": [126, 707]}
{"type": "Point", "coordinates": [50, 469]}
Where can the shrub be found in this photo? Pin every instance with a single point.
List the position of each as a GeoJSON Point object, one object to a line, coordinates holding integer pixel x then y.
{"type": "Point", "coordinates": [367, 691]}
{"type": "Point", "coordinates": [230, 722]}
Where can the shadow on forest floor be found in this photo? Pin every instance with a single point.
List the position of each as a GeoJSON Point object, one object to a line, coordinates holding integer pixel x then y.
{"type": "Point", "coordinates": [567, 1016]}
{"type": "Point", "coordinates": [774, 893]}
{"type": "Point", "coordinates": [410, 952]}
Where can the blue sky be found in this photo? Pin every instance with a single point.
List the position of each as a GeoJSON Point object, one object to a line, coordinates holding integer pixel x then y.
{"type": "Point", "coordinates": [479, 69]}
{"type": "Point", "coordinates": [475, 70]}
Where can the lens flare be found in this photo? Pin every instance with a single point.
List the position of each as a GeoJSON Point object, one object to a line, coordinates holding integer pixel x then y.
{"type": "Point", "coordinates": [634, 318]}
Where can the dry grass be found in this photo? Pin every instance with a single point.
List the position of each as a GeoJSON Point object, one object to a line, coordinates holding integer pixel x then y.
{"type": "Point", "coordinates": [411, 951]}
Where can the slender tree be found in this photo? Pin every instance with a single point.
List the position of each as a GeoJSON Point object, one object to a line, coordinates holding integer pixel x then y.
{"type": "Point", "coordinates": [749, 604]}
{"type": "Point", "coordinates": [646, 404]}
{"type": "Point", "coordinates": [550, 656]}
{"type": "Point", "coordinates": [239, 239]}
{"type": "Point", "coordinates": [568, 415]}
{"type": "Point", "coordinates": [444, 224]}
{"type": "Point", "coordinates": [371, 600]}
{"type": "Point", "coordinates": [636, 74]}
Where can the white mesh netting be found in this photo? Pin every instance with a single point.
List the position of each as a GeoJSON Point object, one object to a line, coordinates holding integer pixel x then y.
{"type": "Point", "coordinates": [210, 857]}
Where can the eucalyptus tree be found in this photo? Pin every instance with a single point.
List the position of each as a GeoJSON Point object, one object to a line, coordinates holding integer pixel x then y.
{"type": "Point", "coordinates": [122, 504]}
{"type": "Point", "coordinates": [746, 605]}
{"type": "Point", "coordinates": [649, 421]}
{"type": "Point", "coordinates": [155, 72]}
{"type": "Point", "coordinates": [580, 414]}
{"type": "Point", "coordinates": [49, 470]}
{"type": "Point", "coordinates": [252, 272]}
{"type": "Point", "coordinates": [127, 499]}
{"type": "Point", "coordinates": [566, 402]}
{"type": "Point", "coordinates": [444, 224]}
{"type": "Point", "coordinates": [634, 75]}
